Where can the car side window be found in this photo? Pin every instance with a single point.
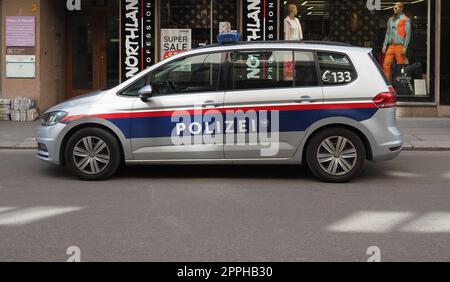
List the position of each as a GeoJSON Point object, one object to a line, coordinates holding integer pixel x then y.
{"type": "Point", "coordinates": [199, 73]}
{"type": "Point", "coordinates": [263, 69]}
{"type": "Point", "coordinates": [335, 69]}
{"type": "Point", "coordinates": [134, 88]}
{"type": "Point", "coordinates": [305, 69]}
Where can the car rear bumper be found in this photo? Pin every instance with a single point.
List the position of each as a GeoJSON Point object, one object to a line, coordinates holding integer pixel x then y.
{"type": "Point", "coordinates": [386, 139]}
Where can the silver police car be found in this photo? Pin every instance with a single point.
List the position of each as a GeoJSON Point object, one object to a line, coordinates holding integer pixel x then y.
{"type": "Point", "coordinates": [323, 104]}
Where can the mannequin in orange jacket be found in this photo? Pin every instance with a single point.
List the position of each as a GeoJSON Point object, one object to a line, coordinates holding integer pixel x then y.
{"type": "Point", "coordinates": [397, 39]}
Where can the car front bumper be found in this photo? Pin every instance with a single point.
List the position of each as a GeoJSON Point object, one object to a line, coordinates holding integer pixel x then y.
{"type": "Point", "coordinates": [49, 140]}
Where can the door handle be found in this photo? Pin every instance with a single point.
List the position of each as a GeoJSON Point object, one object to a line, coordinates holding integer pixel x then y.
{"type": "Point", "coordinates": [306, 99]}
{"type": "Point", "coordinates": [210, 104]}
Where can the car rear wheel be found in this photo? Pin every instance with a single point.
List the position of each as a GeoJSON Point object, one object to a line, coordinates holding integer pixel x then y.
{"type": "Point", "coordinates": [336, 155]}
{"type": "Point", "coordinates": [92, 154]}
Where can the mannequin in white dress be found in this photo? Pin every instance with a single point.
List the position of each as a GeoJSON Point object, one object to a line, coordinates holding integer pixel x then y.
{"type": "Point", "coordinates": [292, 27]}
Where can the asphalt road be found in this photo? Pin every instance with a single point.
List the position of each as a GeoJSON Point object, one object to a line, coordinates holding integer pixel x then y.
{"type": "Point", "coordinates": [225, 213]}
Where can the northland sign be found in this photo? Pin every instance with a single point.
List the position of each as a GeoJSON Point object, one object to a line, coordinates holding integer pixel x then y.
{"type": "Point", "coordinates": [260, 20]}
{"type": "Point", "coordinates": [138, 36]}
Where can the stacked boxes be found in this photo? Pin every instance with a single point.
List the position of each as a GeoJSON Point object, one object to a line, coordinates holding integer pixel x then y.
{"type": "Point", "coordinates": [22, 109]}
{"type": "Point", "coordinates": [32, 114]}
{"type": "Point", "coordinates": [5, 109]}
{"type": "Point", "coordinates": [22, 103]}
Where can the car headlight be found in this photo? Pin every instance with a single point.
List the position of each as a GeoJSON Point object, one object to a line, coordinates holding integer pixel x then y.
{"type": "Point", "coordinates": [52, 118]}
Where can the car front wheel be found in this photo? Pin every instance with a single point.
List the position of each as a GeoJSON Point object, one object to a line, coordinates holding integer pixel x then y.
{"type": "Point", "coordinates": [336, 155]}
{"type": "Point", "coordinates": [92, 154]}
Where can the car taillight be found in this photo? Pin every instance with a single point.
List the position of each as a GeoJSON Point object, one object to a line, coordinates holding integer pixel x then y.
{"type": "Point", "coordinates": [386, 99]}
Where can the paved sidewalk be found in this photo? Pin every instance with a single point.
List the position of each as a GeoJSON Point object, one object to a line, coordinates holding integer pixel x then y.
{"type": "Point", "coordinates": [425, 134]}
{"type": "Point", "coordinates": [18, 135]}
{"type": "Point", "coordinates": [421, 134]}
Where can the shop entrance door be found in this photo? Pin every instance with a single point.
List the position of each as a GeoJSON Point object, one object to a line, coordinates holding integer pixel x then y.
{"type": "Point", "coordinates": [92, 52]}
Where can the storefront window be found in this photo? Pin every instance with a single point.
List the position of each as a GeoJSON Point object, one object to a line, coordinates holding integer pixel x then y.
{"type": "Point", "coordinates": [406, 60]}
{"type": "Point", "coordinates": [187, 24]}
{"type": "Point", "coordinates": [225, 17]}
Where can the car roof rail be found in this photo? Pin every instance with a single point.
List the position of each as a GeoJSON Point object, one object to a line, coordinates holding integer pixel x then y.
{"type": "Point", "coordinates": [318, 42]}
{"type": "Point", "coordinates": [298, 42]}
{"type": "Point", "coordinates": [327, 43]}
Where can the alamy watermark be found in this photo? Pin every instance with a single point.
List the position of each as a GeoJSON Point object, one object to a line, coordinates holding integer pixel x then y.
{"type": "Point", "coordinates": [74, 254]}
{"type": "Point", "coordinates": [373, 5]}
{"type": "Point", "coordinates": [73, 5]}
{"type": "Point", "coordinates": [374, 254]}
{"type": "Point", "coordinates": [230, 127]}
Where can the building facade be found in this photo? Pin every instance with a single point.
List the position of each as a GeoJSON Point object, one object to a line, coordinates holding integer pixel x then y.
{"type": "Point", "coordinates": [53, 50]}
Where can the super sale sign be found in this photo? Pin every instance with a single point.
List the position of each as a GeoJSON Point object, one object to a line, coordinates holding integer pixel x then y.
{"type": "Point", "coordinates": [174, 41]}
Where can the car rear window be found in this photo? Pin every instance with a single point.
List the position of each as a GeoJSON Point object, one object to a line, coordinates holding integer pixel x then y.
{"type": "Point", "coordinates": [335, 69]}
{"type": "Point", "coordinates": [380, 70]}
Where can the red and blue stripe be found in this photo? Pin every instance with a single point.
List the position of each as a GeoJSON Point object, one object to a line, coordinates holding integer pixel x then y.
{"type": "Point", "coordinates": [152, 124]}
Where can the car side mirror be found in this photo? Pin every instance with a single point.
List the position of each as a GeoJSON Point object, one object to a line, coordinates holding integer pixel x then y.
{"type": "Point", "coordinates": [145, 93]}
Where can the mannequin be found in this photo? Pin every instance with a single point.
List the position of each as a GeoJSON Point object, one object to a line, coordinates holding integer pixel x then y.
{"type": "Point", "coordinates": [398, 36]}
{"type": "Point", "coordinates": [292, 27]}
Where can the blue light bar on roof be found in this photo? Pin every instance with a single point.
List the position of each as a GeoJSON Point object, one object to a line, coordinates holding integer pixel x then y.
{"type": "Point", "coordinates": [228, 38]}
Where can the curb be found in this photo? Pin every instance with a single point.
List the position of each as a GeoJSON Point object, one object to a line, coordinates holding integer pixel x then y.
{"type": "Point", "coordinates": [27, 144]}
{"type": "Point", "coordinates": [426, 149]}
{"type": "Point", "coordinates": [18, 147]}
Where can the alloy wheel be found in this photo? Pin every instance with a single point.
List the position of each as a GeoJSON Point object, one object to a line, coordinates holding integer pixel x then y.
{"type": "Point", "coordinates": [337, 156]}
{"type": "Point", "coordinates": [91, 155]}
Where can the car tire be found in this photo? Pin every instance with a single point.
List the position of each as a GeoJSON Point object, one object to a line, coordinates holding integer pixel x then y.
{"type": "Point", "coordinates": [92, 154]}
{"type": "Point", "coordinates": [335, 155]}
